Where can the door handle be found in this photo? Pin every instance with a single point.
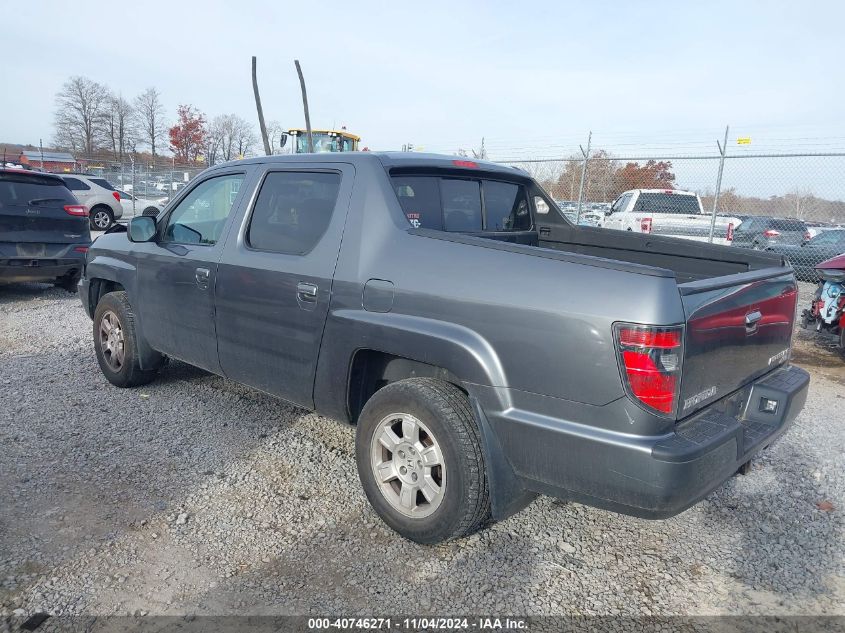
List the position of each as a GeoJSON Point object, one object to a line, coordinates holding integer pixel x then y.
{"type": "Point", "coordinates": [201, 275]}
{"type": "Point", "coordinates": [545, 231]}
{"type": "Point", "coordinates": [306, 291]}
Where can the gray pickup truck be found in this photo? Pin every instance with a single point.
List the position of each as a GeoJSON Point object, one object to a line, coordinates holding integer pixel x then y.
{"type": "Point", "coordinates": [486, 349]}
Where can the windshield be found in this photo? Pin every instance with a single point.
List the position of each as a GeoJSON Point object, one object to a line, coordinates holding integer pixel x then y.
{"type": "Point", "coordinates": [323, 143]}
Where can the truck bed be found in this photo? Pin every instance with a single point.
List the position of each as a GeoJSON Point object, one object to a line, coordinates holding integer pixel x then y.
{"type": "Point", "coordinates": [690, 261]}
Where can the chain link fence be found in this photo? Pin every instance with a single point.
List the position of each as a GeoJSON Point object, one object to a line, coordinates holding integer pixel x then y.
{"type": "Point", "coordinates": [792, 204]}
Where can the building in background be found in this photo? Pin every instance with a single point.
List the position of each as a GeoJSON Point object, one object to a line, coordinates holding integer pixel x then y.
{"type": "Point", "coordinates": [52, 161]}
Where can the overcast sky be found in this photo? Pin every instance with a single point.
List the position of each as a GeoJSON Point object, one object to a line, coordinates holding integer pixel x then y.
{"type": "Point", "coordinates": [532, 78]}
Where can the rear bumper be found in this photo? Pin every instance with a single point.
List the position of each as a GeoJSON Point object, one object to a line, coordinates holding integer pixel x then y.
{"type": "Point", "coordinates": [19, 269]}
{"type": "Point", "coordinates": [651, 477]}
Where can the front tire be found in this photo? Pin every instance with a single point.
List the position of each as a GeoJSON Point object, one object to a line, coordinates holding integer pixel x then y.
{"type": "Point", "coordinates": [116, 342]}
{"type": "Point", "coordinates": [419, 458]}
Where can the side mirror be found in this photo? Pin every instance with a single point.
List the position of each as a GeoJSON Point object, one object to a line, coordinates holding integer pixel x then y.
{"type": "Point", "coordinates": [142, 229]}
{"type": "Point", "coordinates": [283, 139]}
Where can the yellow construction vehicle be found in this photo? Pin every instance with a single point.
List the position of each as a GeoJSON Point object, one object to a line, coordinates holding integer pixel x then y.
{"type": "Point", "coordinates": [324, 141]}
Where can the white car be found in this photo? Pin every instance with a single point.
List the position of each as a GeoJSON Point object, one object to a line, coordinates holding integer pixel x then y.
{"type": "Point", "coordinates": [668, 212]}
{"type": "Point", "coordinates": [142, 206]}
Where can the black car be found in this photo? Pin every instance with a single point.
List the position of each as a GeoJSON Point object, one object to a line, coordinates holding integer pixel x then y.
{"type": "Point", "coordinates": [804, 259]}
{"type": "Point", "coordinates": [760, 232]}
{"type": "Point", "coordinates": [44, 232]}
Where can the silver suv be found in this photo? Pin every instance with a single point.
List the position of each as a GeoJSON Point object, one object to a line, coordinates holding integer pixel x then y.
{"type": "Point", "coordinates": [98, 195]}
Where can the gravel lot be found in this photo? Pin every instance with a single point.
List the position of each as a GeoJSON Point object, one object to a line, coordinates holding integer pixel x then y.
{"type": "Point", "coordinates": [195, 495]}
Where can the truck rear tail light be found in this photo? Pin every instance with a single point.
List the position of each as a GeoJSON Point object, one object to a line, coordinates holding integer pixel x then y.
{"type": "Point", "coordinates": [116, 195]}
{"type": "Point", "coordinates": [645, 225]}
{"type": "Point", "coordinates": [650, 360]}
{"type": "Point", "coordinates": [76, 209]}
{"type": "Point", "coordinates": [771, 233]}
{"type": "Point", "coordinates": [730, 235]}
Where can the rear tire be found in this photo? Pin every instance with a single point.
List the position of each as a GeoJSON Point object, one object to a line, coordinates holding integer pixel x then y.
{"type": "Point", "coordinates": [101, 218]}
{"type": "Point", "coordinates": [432, 486]}
{"type": "Point", "coordinates": [116, 342]}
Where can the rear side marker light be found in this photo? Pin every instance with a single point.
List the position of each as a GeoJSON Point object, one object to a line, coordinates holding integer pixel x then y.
{"type": "Point", "coordinates": [81, 249]}
{"type": "Point", "coordinates": [650, 362]}
{"type": "Point", "coordinates": [76, 209]}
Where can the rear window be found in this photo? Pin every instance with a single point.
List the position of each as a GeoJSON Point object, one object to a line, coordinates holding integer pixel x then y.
{"type": "Point", "coordinates": [667, 203]}
{"type": "Point", "coordinates": [105, 184]}
{"type": "Point", "coordinates": [23, 191]}
{"type": "Point", "coordinates": [462, 204]}
{"type": "Point", "coordinates": [75, 184]}
{"type": "Point", "coordinates": [788, 225]}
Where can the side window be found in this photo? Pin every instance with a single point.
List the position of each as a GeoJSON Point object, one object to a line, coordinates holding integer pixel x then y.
{"type": "Point", "coordinates": [201, 216]}
{"type": "Point", "coordinates": [292, 211]}
{"type": "Point", "coordinates": [506, 206]}
{"type": "Point", "coordinates": [420, 200]}
{"type": "Point", "coordinates": [75, 184]}
{"type": "Point", "coordinates": [620, 203]}
{"type": "Point", "coordinates": [461, 204]}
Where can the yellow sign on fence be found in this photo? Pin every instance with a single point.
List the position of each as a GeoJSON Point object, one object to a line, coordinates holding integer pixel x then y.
{"type": "Point", "coordinates": [743, 140]}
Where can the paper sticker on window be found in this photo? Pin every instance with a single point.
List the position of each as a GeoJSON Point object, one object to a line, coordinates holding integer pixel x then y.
{"type": "Point", "coordinates": [414, 219]}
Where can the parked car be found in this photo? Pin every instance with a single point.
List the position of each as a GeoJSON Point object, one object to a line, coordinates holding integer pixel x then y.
{"type": "Point", "coordinates": [481, 366]}
{"type": "Point", "coordinates": [43, 229]}
{"type": "Point", "coordinates": [806, 257]}
{"type": "Point", "coordinates": [761, 232]}
{"type": "Point", "coordinates": [99, 196]}
{"type": "Point", "coordinates": [668, 212]}
{"type": "Point", "coordinates": [134, 205]}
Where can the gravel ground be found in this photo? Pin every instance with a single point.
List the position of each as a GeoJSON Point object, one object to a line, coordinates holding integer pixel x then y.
{"type": "Point", "coordinates": [195, 495]}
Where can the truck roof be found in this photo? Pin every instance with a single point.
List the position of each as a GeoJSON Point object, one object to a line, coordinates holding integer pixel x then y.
{"type": "Point", "coordinates": [677, 192]}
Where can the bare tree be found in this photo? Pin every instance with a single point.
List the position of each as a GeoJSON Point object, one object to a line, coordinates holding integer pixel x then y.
{"type": "Point", "coordinates": [274, 135]}
{"type": "Point", "coordinates": [214, 141]}
{"type": "Point", "coordinates": [231, 137]}
{"type": "Point", "coordinates": [244, 138]}
{"type": "Point", "coordinates": [120, 125]}
{"type": "Point", "coordinates": [150, 114]}
{"type": "Point", "coordinates": [79, 114]}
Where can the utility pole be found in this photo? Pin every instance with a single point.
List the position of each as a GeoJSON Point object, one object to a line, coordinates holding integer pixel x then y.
{"type": "Point", "coordinates": [267, 149]}
{"type": "Point", "coordinates": [722, 151]}
{"type": "Point", "coordinates": [305, 106]}
{"type": "Point", "coordinates": [583, 176]}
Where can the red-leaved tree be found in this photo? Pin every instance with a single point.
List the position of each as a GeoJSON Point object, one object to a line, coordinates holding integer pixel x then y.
{"type": "Point", "coordinates": [187, 137]}
{"type": "Point", "coordinates": [653, 175]}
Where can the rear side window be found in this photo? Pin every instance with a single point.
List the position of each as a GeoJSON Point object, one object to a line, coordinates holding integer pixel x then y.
{"type": "Point", "coordinates": [462, 204]}
{"type": "Point", "coordinates": [671, 203]}
{"type": "Point", "coordinates": [75, 184]}
{"type": "Point", "coordinates": [105, 184]}
{"type": "Point", "coordinates": [420, 200]}
{"type": "Point", "coordinates": [292, 211]}
{"type": "Point", "coordinates": [22, 191]}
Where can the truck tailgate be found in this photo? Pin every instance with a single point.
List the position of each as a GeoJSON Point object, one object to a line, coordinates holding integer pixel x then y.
{"type": "Point", "coordinates": [739, 327]}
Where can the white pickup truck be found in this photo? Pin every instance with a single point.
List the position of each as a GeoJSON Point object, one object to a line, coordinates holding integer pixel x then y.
{"type": "Point", "coordinates": [668, 212]}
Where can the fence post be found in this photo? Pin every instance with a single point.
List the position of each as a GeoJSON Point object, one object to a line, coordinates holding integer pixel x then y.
{"type": "Point", "coordinates": [583, 176]}
{"type": "Point", "coordinates": [134, 188]}
{"type": "Point", "coordinates": [722, 151]}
